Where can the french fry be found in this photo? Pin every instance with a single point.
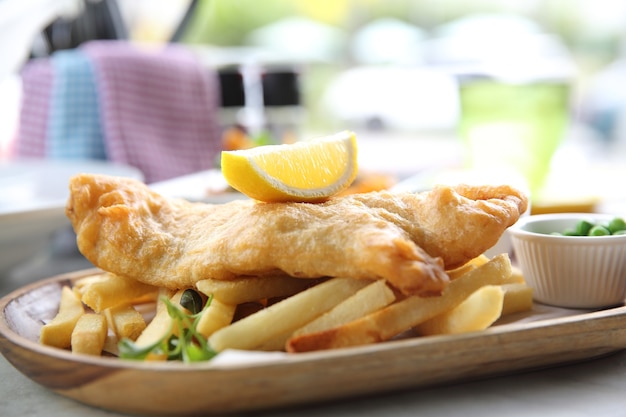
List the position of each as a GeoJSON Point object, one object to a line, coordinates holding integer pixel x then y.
{"type": "Point", "coordinates": [58, 332]}
{"type": "Point", "coordinates": [111, 345]}
{"type": "Point", "coordinates": [109, 290]}
{"type": "Point", "coordinates": [161, 323]}
{"type": "Point", "coordinates": [215, 316]}
{"type": "Point", "coordinates": [464, 269]}
{"type": "Point", "coordinates": [155, 330]}
{"type": "Point", "coordinates": [460, 271]}
{"type": "Point", "coordinates": [517, 275]}
{"type": "Point", "coordinates": [242, 290]}
{"type": "Point", "coordinates": [366, 300]}
{"type": "Point", "coordinates": [284, 316]}
{"type": "Point", "coordinates": [477, 312]}
{"type": "Point", "coordinates": [173, 296]}
{"type": "Point", "coordinates": [125, 321]}
{"type": "Point", "coordinates": [518, 297]}
{"type": "Point", "coordinates": [405, 314]}
{"type": "Point", "coordinates": [81, 283]}
{"type": "Point", "coordinates": [89, 334]}
{"type": "Point", "coordinates": [275, 343]}
{"type": "Point", "coordinates": [480, 260]}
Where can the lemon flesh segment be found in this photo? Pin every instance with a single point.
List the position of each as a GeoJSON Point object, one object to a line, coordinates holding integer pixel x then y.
{"type": "Point", "coordinates": [307, 171]}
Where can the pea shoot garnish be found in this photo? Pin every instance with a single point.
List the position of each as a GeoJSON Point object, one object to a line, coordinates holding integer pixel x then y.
{"type": "Point", "coordinates": [182, 342]}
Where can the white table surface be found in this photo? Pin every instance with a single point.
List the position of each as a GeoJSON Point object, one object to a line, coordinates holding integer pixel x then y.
{"type": "Point", "coordinates": [592, 388]}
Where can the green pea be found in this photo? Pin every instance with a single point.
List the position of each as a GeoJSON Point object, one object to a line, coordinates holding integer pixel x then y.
{"type": "Point", "coordinates": [616, 225]}
{"type": "Point", "coordinates": [599, 230]}
{"type": "Point", "coordinates": [583, 227]}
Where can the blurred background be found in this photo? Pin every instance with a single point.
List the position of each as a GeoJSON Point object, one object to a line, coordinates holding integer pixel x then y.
{"type": "Point", "coordinates": [454, 90]}
{"type": "Point", "coordinates": [367, 65]}
{"type": "Point", "coordinates": [323, 40]}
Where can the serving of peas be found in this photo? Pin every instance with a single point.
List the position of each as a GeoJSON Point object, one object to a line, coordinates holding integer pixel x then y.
{"type": "Point", "coordinates": [617, 226]}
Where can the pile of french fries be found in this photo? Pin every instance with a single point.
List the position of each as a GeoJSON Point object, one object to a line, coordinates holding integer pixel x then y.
{"type": "Point", "coordinates": [285, 313]}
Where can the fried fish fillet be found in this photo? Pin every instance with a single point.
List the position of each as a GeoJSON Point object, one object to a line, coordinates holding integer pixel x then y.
{"type": "Point", "coordinates": [407, 239]}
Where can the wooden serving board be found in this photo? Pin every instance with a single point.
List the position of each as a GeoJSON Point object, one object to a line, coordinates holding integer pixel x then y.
{"type": "Point", "coordinates": [545, 337]}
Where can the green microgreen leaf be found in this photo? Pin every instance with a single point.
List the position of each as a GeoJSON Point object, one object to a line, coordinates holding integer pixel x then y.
{"type": "Point", "coordinates": [188, 346]}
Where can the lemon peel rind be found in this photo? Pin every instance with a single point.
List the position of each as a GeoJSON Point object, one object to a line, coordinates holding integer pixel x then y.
{"type": "Point", "coordinates": [341, 184]}
{"type": "Point", "coordinates": [264, 187]}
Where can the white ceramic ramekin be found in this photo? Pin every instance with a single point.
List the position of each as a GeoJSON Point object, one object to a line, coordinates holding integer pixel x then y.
{"type": "Point", "coordinates": [570, 271]}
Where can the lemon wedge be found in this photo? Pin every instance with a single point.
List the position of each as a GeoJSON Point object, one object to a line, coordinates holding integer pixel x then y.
{"type": "Point", "coordinates": [307, 171]}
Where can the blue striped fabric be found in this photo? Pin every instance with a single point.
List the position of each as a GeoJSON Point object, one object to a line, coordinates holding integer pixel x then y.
{"type": "Point", "coordinates": [151, 108]}
{"type": "Point", "coordinates": [74, 127]}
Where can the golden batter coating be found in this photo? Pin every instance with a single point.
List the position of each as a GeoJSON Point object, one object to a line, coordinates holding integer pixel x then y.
{"type": "Point", "coordinates": [408, 239]}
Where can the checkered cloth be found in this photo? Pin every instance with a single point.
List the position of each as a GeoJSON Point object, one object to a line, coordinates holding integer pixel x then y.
{"type": "Point", "coordinates": [74, 130]}
{"type": "Point", "coordinates": [156, 108]}
{"type": "Point", "coordinates": [36, 90]}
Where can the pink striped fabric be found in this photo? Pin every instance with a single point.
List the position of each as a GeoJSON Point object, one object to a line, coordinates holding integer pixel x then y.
{"type": "Point", "coordinates": [158, 108]}
{"type": "Point", "coordinates": [37, 81]}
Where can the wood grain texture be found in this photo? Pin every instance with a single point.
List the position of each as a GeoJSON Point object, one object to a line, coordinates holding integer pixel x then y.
{"type": "Point", "coordinates": [297, 379]}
